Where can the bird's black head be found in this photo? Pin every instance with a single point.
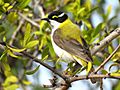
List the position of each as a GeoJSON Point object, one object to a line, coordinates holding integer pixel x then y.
{"type": "Point", "coordinates": [57, 16]}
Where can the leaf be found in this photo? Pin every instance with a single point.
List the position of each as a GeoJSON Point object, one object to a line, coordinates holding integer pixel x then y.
{"type": "Point", "coordinates": [11, 54]}
{"type": "Point", "coordinates": [32, 44]}
{"type": "Point", "coordinates": [104, 71]}
{"type": "Point", "coordinates": [1, 2]}
{"type": "Point", "coordinates": [6, 66]}
{"type": "Point", "coordinates": [110, 49]}
{"type": "Point", "coordinates": [26, 82]}
{"type": "Point", "coordinates": [115, 74]}
{"type": "Point", "coordinates": [15, 49]}
{"type": "Point", "coordinates": [23, 3]}
{"type": "Point", "coordinates": [116, 57]}
{"type": "Point", "coordinates": [51, 50]}
{"type": "Point", "coordinates": [45, 53]}
{"type": "Point", "coordinates": [11, 87]}
{"type": "Point", "coordinates": [27, 34]}
{"type": "Point", "coordinates": [114, 65]}
{"type": "Point", "coordinates": [4, 54]}
{"type": "Point", "coordinates": [32, 71]}
{"type": "Point", "coordinates": [89, 67]}
{"type": "Point", "coordinates": [98, 29]}
{"type": "Point", "coordinates": [10, 79]}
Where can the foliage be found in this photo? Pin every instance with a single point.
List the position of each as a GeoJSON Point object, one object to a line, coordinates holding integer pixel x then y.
{"type": "Point", "coordinates": [20, 35]}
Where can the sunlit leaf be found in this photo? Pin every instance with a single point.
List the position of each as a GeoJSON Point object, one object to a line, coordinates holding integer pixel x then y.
{"type": "Point", "coordinates": [32, 71]}
{"type": "Point", "coordinates": [27, 34]}
{"type": "Point", "coordinates": [15, 49]}
{"type": "Point", "coordinates": [110, 49]}
{"type": "Point", "coordinates": [11, 54]}
{"type": "Point", "coordinates": [10, 79]}
{"type": "Point", "coordinates": [11, 87]}
{"type": "Point", "coordinates": [89, 66]}
{"type": "Point", "coordinates": [26, 82]}
{"type": "Point", "coordinates": [1, 2]}
{"type": "Point", "coordinates": [115, 74]}
{"type": "Point", "coordinates": [31, 44]}
{"type": "Point", "coordinates": [116, 57]}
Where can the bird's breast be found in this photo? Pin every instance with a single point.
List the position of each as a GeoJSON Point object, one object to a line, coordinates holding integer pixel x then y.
{"type": "Point", "coordinates": [61, 52]}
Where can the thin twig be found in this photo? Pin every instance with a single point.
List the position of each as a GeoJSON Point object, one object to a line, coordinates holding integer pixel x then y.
{"type": "Point", "coordinates": [101, 84]}
{"type": "Point", "coordinates": [29, 20]}
{"type": "Point", "coordinates": [16, 31]}
{"type": "Point", "coordinates": [106, 41]}
{"type": "Point", "coordinates": [107, 59]}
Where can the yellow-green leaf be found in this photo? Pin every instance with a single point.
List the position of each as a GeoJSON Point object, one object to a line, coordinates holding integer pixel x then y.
{"type": "Point", "coordinates": [11, 54]}
{"type": "Point", "coordinates": [16, 49]}
{"type": "Point", "coordinates": [32, 71]}
{"type": "Point", "coordinates": [27, 34]}
{"type": "Point", "coordinates": [115, 74]}
{"type": "Point", "coordinates": [10, 79]}
{"type": "Point", "coordinates": [32, 44]}
{"type": "Point", "coordinates": [89, 67]}
{"type": "Point", "coordinates": [26, 82]}
{"type": "Point", "coordinates": [11, 87]}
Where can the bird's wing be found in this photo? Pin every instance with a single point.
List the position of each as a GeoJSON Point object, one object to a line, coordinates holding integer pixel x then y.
{"type": "Point", "coordinates": [72, 46]}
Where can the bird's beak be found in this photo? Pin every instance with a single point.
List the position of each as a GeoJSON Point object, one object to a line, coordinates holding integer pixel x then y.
{"type": "Point", "coordinates": [46, 19]}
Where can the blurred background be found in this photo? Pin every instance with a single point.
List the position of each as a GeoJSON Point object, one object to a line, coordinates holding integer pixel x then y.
{"type": "Point", "coordinates": [20, 26]}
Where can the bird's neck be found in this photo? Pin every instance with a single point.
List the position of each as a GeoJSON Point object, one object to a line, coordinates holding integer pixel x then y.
{"type": "Point", "coordinates": [66, 23]}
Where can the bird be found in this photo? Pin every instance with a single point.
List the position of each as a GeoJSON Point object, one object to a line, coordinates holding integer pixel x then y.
{"type": "Point", "coordinates": [67, 39]}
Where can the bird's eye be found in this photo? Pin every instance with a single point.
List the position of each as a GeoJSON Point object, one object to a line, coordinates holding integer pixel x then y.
{"type": "Point", "coordinates": [54, 17]}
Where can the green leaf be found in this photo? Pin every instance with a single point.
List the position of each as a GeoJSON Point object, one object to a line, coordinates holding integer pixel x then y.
{"type": "Point", "coordinates": [114, 65]}
{"type": "Point", "coordinates": [89, 67]}
{"type": "Point", "coordinates": [1, 2]}
{"type": "Point", "coordinates": [116, 57]}
{"type": "Point", "coordinates": [45, 53]}
{"type": "Point", "coordinates": [23, 3]}
{"type": "Point", "coordinates": [11, 87]}
{"type": "Point", "coordinates": [51, 50]}
{"type": "Point", "coordinates": [4, 54]}
{"type": "Point", "coordinates": [110, 49]}
{"type": "Point", "coordinates": [97, 29]}
{"type": "Point", "coordinates": [10, 79]}
{"type": "Point", "coordinates": [32, 71]}
{"type": "Point", "coordinates": [32, 44]}
{"type": "Point", "coordinates": [11, 54]}
{"type": "Point", "coordinates": [6, 66]}
{"type": "Point", "coordinates": [115, 74]}
{"type": "Point", "coordinates": [26, 82]}
{"type": "Point", "coordinates": [104, 71]}
{"type": "Point", "coordinates": [15, 49]}
{"type": "Point", "coordinates": [27, 34]}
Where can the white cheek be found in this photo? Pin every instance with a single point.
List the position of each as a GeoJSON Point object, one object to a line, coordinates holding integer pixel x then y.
{"type": "Point", "coordinates": [54, 24]}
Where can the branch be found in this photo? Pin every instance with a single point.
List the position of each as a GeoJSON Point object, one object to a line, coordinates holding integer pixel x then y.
{"type": "Point", "coordinates": [107, 59]}
{"type": "Point", "coordinates": [45, 65]}
{"type": "Point", "coordinates": [29, 20]}
{"type": "Point", "coordinates": [105, 41]}
{"type": "Point", "coordinates": [82, 77]}
{"type": "Point", "coordinates": [16, 31]}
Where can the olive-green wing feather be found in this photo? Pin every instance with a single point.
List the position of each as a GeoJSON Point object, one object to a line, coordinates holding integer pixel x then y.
{"type": "Point", "coordinates": [72, 46]}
